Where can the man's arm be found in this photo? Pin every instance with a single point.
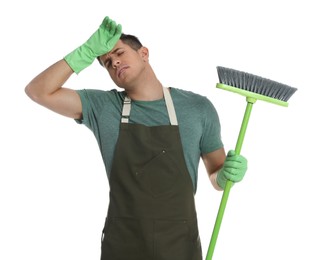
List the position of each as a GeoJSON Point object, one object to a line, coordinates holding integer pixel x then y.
{"type": "Point", "coordinates": [46, 89]}
{"type": "Point", "coordinates": [213, 162]}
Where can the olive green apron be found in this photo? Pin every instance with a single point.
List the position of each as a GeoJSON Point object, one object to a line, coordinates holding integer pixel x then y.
{"type": "Point", "coordinates": [151, 211]}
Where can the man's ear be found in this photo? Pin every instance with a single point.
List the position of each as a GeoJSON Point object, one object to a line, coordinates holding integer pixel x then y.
{"type": "Point", "coordinates": [144, 52]}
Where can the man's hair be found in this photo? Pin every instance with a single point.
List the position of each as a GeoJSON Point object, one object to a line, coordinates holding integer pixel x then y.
{"type": "Point", "coordinates": [130, 40]}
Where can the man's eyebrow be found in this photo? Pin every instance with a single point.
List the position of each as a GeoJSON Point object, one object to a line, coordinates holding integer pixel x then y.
{"type": "Point", "coordinates": [108, 55]}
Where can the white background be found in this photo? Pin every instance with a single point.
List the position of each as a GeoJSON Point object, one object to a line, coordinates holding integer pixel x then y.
{"type": "Point", "coordinates": [53, 187]}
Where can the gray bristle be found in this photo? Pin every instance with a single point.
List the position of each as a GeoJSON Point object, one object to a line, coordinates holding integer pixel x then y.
{"type": "Point", "coordinates": [256, 84]}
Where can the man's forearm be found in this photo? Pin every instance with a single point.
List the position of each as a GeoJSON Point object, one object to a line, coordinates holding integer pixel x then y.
{"type": "Point", "coordinates": [49, 81]}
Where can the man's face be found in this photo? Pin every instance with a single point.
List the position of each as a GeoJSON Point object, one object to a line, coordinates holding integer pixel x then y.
{"type": "Point", "coordinates": [124, 64]}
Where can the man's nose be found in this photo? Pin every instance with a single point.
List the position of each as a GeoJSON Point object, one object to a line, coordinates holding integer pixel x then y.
{"type": "Point", "coordinates": [115, 63]}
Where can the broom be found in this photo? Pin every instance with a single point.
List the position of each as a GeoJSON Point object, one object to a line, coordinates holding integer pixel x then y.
{"type": "Point", "coordinates": [253, 88]}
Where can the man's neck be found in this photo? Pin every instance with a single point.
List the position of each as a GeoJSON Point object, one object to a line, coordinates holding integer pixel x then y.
{"type": "Point", "coordinates": [149, 88]}
{"type": "Point", "coordinates": [147, 93]}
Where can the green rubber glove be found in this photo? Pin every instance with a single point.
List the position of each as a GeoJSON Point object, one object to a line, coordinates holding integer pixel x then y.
{"type": "Point", "coordinates": [101, 42]}
{"type": "Point", "coordinates": [234, 169]}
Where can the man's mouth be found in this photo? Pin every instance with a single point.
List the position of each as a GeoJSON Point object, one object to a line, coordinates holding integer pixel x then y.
{"type": "Point", "coordinates": [121, 70]}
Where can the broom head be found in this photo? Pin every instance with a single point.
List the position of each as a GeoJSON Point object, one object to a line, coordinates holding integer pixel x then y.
{"type": "Point", "coordinates": [254, 87]}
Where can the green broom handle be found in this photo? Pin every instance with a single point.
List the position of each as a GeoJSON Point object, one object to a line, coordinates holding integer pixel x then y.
{"type": "Point", "coordinates": [225, 195]}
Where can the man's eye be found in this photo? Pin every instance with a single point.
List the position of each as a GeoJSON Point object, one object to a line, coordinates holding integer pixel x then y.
{"type": "Point", "coordinates": [107, 64]}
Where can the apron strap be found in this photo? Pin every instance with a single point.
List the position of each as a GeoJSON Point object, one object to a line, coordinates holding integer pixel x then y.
{"type": "Point", "coordinates": [126, 110]}
{"type": "Point", "coordinates": [169, 104]}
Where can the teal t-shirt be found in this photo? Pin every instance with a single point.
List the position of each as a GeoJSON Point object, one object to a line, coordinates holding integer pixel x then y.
{"type": "Point", "coordinates": [197, 118]}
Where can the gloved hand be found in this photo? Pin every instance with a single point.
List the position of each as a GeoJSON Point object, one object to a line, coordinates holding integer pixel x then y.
{"type": "Point", "coordinates": [234, 169]}
{"type": "Point", "coordinates": [101, 42]}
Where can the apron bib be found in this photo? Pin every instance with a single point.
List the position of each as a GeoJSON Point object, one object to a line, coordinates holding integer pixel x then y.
{"type": "Point", "coordinates": [151, 211]}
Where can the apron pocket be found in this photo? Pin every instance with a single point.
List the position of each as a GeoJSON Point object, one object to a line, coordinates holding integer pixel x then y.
{"type": "Point", "coordinates": [159, 175]}
{"type": "Point", "coordinates": [125, 238]}
{"type": "Point", "coordinates": [177, 240]}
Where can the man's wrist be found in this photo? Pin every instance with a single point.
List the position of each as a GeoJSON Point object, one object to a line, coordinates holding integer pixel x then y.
{"type": "Point", "coordinates": [213, 180]}
{"type": "Point", "coordinates": [221, 179]}
{"type": "Point", "coordinates": [80, 58]}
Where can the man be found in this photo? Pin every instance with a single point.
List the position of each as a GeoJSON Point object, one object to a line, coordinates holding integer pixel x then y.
{"type": "Point", "coordinates": [151, 139]}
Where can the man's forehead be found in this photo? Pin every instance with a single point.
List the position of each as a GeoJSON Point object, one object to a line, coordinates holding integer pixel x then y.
{"type": "Point", "coordinates": [119, 45]}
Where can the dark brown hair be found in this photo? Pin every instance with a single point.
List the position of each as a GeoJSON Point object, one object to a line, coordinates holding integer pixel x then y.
{"type": "Point", "coordinates": [131, 40]}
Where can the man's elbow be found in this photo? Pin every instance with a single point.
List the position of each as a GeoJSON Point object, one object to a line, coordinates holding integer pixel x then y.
{"type": "Point", "coordinates": [33, 94]}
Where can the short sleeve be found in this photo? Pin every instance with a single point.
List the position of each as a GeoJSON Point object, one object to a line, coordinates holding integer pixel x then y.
{"type": "Point", "coordinates": [211, 136]}
{"type": "Point", "coordinates": [86, 108]}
